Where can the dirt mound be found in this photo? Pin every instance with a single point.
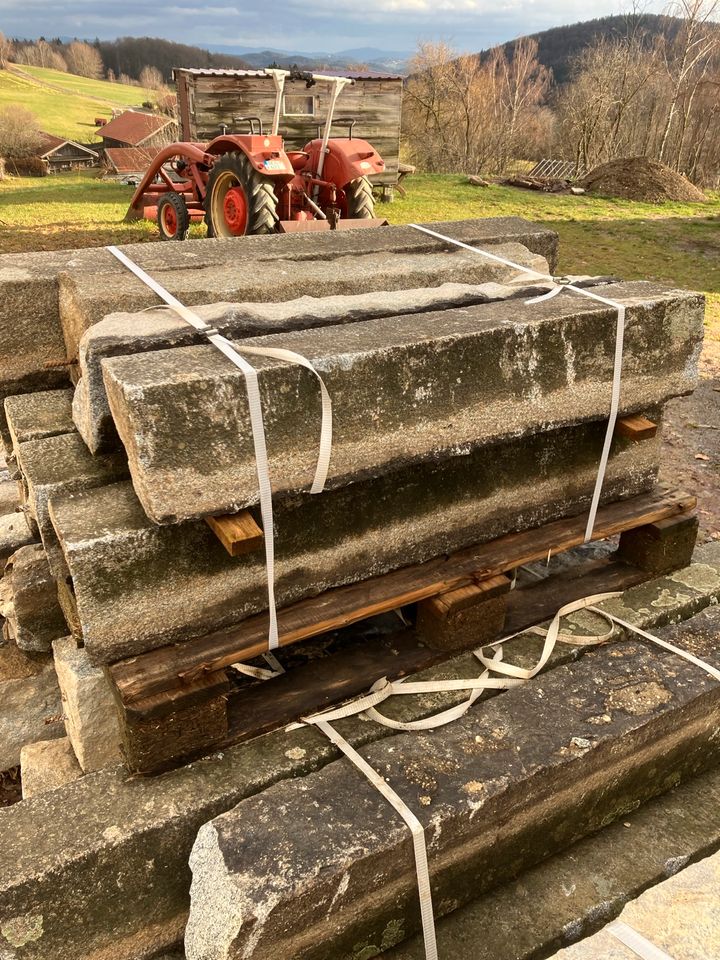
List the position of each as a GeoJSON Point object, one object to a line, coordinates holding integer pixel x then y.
{"type": "Point", "coordinates": [639, 178]}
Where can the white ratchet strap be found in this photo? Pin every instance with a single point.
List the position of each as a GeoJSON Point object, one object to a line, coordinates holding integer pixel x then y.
{"type": "Point", "coordinates": [232, 352]}
{"type": "Point", "coordinates": [640, 945]}
{"type": "Point", "coordinates": [558, 287]}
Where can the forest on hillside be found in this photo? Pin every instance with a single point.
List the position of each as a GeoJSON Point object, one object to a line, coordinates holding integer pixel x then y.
{"type": "Point", "coordinates": [632, 91]}
{"type": "Point", "coordinates": [558, 46]}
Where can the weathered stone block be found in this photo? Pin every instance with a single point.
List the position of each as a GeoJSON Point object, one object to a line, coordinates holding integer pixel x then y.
{"type": "Point", "coordinates": [123, 855]}
{"type": "Point", "coordinates": [91, 716]}
{"type": "Point", "coordinates": [493, 795]}
{"type": "Point", "coordinates": [54, 466]}
{"type": "Point", "coordinates": [566, 896]}
{"type": "Point", "coordinates": [8, 497]}
{"type": "Point", "coordinates": [274, 280]}
{"type": "Point", "coordinates": [139, 585]}
{"type": "Point", "coordinates": [14, 533]}
{"type": "Point", "coordinates": [404, 390]}
{"type": "Point", "coordinates": [34, 615]}
{"type": "Point", "coordinates": [31, 338]}
{"type": "Point", "coordinates": [30, 707]}
{"type": "Point", "coordinates": [33, 416]}
{"type": "Point", "coordinates": [121, 334]}
{"type": "Point", "coordinates": [30, 334]}
{"type": "Point", "coordinates": [47, 765]}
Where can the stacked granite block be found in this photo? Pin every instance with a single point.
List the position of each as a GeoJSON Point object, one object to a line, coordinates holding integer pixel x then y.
{"type": "Point", "coordinates": [461, 412]}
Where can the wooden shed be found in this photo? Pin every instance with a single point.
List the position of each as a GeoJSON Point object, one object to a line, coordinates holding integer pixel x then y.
{"type": "Point", "coordinates": [62, 154]}
{"type": "Point", "coordinates": [207, 99]}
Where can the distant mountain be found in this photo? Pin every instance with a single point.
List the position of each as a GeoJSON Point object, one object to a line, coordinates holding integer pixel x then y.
{"type": "Point", "coordinates": [558, 46]}
{"type": "Point", "coordinates": [369, 57]}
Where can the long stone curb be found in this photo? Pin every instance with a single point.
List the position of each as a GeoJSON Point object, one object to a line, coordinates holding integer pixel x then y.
{"type": "Point", "coordinates": [404, 390]}
{"type": "Point", "coordinates": [567, 896]}
{"type": "Point", "coordinates": [679, 916]}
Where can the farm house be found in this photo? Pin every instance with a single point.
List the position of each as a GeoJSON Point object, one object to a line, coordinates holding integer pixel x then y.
{"type": "Point", "coordinates": [209, 99]}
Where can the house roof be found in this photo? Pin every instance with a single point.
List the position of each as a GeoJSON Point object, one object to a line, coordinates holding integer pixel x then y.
{"type": "Point", "coordinates": [352, 75]}
{"type": "Point", "coordinates": [51, 143]}
{"type": "Point", "coordinates": [131, 159]}
{"type": "Point", "coordinates": [134, 128]}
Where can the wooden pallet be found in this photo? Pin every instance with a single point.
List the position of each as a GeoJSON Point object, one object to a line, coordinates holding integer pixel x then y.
{"type": "Point", "coordinates": [178, 702]}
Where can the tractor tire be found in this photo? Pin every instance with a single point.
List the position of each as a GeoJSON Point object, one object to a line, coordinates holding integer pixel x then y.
{"type": "Point", "coordinates": [360, 200]}
{"type": "Point", "coordinates": [173, 217]}
{"type": "Point", "coordinates": [239, 200]}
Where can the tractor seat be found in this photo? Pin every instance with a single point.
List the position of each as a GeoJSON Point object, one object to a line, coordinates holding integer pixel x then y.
{"type": "Point", "coordinates": [298, 158]}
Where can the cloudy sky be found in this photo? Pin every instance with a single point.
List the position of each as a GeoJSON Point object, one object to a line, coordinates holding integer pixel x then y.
{"type": "Point", "coordinates": [312, 25]}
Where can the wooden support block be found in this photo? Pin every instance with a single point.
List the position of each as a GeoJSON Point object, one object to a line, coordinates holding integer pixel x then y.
{"type": "Point", "coordinates": [462, 598]}
{"type": "Point", "coordinates": [660, 547]}
{"type": "Point", "coordinates": [636, 427]}
{"type": "Point", "coordinates": [466, 617]}
{"type": "Point", "coordinates": [158, 732]}
{"type": "Point", "coordinates": [237, 532]}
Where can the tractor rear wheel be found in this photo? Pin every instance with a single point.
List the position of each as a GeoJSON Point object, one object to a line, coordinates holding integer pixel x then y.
{"type": "Point", "coordinates": [239, 199]}
{"type": "Point", "coordinates": [360, 200]}
{"type": "Point", "coordinates": [173, 217]}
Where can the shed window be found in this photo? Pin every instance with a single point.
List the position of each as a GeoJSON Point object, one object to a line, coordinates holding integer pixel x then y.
{"type": "Point", "coordinates": [299, 106]}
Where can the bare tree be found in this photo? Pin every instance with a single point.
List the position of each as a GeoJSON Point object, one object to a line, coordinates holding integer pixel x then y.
{"type": "Point", "coordinates": [151, 78]}
{"type": "Point", "coordinates": [521, 84]}
{"type": "Point", "coordinates": [7, 51]}
{"type": "Point", "coordinates": [84, 60]}
{"type": "Point", "coordinates": [20, 134]}
{"type": "Point", "coordinates": [467, 113]}
{"type": "Point", "coordinates": [688, 59]}
{"type": "Point", "coordinates": [42, 54]}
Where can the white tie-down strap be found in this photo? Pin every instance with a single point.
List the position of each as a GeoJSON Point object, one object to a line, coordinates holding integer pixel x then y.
{"type": "Point", "coordinates": [510, 674]}
{"type": "Point", "coordinates": [232, 352]}
{"type": "Point", "coordinates": [416, 829]}
{"type": "Point", "coordinates": [636, 942]}
{"type": "Point", "coordinates": [558, 287]}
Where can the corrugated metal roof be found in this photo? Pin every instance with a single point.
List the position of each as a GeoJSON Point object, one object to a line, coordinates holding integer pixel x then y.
{"type": "Point", "coordinates": [133, 127]}
{"type": "Point", "coordinates": [211, 72]}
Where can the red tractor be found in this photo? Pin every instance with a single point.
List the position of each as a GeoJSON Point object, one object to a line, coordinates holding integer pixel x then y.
{"type": "Point", "coordinates": [248, 184]}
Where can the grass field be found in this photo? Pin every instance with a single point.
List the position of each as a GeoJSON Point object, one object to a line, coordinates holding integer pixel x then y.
{"type": "Point", "coordinates": [64, 104]}
{"type": "Point", "coordinates": [674, 243]}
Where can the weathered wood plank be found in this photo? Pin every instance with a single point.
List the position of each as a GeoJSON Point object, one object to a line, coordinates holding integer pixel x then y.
{"type": "Point", "coordinates": [160, 669]}
{"type": "Point", "coordinates": [209, 101]}
{"type": "Point", "coordinates": [319, 684]}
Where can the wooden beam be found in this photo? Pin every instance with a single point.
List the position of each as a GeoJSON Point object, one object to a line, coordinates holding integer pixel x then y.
{"type": "Point", "coordinates": [462, 598]}
{"type": "Point", "coordinates": [349, 671]}
{"type": "Point", "coordinates": [158, 670]}
{"type": "Point", "coordinates": [237, 532]}
{"type": "Point", "coordinates": [636, 427]}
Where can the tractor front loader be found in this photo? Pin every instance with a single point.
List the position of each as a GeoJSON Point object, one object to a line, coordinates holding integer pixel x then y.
{"type": "Point", "coordinates": [246, 183]}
